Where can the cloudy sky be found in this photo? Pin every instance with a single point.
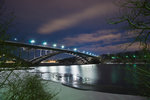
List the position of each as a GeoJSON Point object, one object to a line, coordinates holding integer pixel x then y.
{"type": "Point", "coordinates": [75, 23]}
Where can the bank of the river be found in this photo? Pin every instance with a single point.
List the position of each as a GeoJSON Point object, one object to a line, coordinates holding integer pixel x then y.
{"type": "Point", "coordinates": [106, 79]}
{"type": "Point", "coordinates": [67, 93]}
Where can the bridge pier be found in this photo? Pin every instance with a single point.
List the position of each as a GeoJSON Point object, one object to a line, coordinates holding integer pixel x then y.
{"type": "Point", "coordinates": [43, 52]}
{"type": "Point", "coordinates": [46, 52]}
{"type": "Point", "coordinates": [34, 53]}
{"type": "Point", "coordinates": [40, 52]}
{"type": "Point", "coordinates": [28, 54]}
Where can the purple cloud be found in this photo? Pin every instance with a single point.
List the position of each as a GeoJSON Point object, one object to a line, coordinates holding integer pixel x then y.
{"type": "Point", "coordinates": [73, 19]}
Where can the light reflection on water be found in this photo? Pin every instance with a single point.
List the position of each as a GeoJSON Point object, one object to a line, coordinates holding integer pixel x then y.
{"type": "Point", "coordinates": [114, 78]}
{"type": "Point", "coordinates": [70, 74]}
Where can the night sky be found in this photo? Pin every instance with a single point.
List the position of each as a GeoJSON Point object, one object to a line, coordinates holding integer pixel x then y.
{"type": "Point", "coordinates": [75, 23]}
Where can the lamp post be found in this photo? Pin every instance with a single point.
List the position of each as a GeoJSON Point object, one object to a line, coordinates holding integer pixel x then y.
{"type": "Point", "coordinates": [62, 46]}
{"type": "Point", "coordinates": [75, 49]}
{"type": "Point", "coordinates": [44, 43]}
{"type": "Point", "coordinates": [15, 39]}
{"type": "Point", "coordinates": [54, 45]}
{"type": "Point", "coordinates": [32, 41]}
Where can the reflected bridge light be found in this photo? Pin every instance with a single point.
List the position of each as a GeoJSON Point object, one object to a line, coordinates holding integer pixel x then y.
{"type": "Point", "coordinates": [54, 45]}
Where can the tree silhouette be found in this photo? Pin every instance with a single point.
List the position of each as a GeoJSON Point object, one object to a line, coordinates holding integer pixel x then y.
{"type": "Point", "coordinates": [136, 13]}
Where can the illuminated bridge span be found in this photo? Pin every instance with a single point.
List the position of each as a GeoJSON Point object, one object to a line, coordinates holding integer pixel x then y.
{"type": "Point", "coordinates": [45, 52]}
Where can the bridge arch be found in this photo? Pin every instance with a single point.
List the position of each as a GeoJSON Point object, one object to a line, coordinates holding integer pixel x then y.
{"type": "Point", "coordinates": [57, 51]}
{"type": "Point", "coordinates": [42, 58]}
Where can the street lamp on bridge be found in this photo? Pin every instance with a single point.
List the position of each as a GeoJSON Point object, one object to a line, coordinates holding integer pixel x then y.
{"type": "Point", "coordinates": [75, 49]}
{"type": "Point", "coordinates": [44, 43]}
{"type": "Point", "coordinates": [54, 45]}
{"type": "Point", "coordinates": [62, 46]}
{"type": "Point", "coordinates": [15, 39]}
{"type": "Point", "coordinates": [83, 51]}
{"type": "Point", "coordinates": [32, 41]}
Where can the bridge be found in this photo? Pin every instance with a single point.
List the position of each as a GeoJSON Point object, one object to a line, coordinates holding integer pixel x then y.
{"type": "Point", "coordinates": [45, 52]}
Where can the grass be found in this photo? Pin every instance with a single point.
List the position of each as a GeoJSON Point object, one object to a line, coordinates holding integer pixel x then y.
{"type": "Point", "coordinates": [28, 87]}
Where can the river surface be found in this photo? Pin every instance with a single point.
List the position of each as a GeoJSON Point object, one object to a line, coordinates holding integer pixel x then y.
{"type": "Point", "coordinates": [112, 78]}
{"type": "Point", "coordinates": [91, 82]}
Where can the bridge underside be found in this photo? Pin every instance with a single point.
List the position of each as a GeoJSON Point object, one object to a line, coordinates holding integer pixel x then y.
{"type": "Point", "coordinates": [76, 59]}
{"type": "Point", "coordinates": [34, 54]}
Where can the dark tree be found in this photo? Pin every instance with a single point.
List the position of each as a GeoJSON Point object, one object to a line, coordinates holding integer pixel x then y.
{"type": "Point", "coordinates": [6, 19]}
{"type": "Point", "coordinates": [136, 14]}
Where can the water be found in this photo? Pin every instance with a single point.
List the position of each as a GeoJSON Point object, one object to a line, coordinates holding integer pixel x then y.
{"type": "Point", "coordinates": [113, 78]}
{"type": "Point", "coordinates": [110, 78]}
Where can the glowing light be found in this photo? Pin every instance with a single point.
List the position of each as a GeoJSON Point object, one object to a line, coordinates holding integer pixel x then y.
{"type": "Point", "coordinates": [134, 56]}
{"type": "Point", "coordinates": [15, 39]}
{"type": "Point", "coordinates": [113, 57]}
{"type": "Point", "coordinates": [32, 41]}
{"type": "Point", "coordinates": [75, 49]}
{"type": "Point", "coordinates": [134, 66]}
{"type": "Point", "coordinates": [44, 43]}
{"type": "Point", "coordinates": [127, 56]}
{"type": "Point", "coordinates": [62, 46]}
{"type": "Point", "coordinates": [54, 45]}
{"type": "Point", "coordinates": [49, 61]}
{"type": "Point", "coordinates": [10, 62]}
{"type": "Point", "coordinates": [83, 51]}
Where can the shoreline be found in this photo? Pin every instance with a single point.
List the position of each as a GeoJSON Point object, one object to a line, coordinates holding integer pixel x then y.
{"type": "Point", "coordinates": [68, 93]}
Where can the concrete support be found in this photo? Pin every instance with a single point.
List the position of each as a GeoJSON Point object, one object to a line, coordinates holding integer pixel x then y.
{"type": "Point", "coordinates": [40, 52]}
{"type": "Point", "coordinates": [34, 52]}
{"type": "Point", "coordinates": [46, 52]}
{"type": "Point", "coordinates": [28, 54]}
